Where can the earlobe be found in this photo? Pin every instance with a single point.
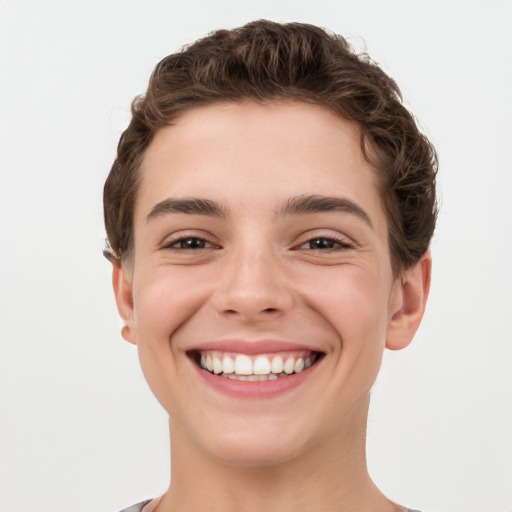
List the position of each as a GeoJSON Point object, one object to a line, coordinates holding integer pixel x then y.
{"type": "Point", "coordinates": [122, 285]}
{"type": "Point", "coordinates": [412, 299]}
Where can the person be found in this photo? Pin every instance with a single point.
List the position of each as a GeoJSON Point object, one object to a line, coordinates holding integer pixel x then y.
{"type": "Point", "coordinates": [269, 215]}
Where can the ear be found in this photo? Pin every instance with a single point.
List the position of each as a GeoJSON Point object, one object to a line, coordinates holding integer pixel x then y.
{"type": "Point", "coordinates": [123, 290]}
{"type": "Point", "coordinates": [409, 301]}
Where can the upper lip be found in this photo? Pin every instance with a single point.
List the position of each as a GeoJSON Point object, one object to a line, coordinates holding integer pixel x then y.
{"type": "Point", "coordinates": [251, 347]}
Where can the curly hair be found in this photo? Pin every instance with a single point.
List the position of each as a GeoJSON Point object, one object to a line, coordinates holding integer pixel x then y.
{"type": "Point", "coordinates": [263, 61]}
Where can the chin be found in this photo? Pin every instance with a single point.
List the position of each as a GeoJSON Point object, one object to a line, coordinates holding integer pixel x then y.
{"type": "Point", "coordinates": [261, 447]}
{"type": "Point", "coordinates": [257, 455]}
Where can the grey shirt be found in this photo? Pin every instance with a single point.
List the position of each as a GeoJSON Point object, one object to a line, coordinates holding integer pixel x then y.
{"type": "Point", "coordinates": [139, 506]}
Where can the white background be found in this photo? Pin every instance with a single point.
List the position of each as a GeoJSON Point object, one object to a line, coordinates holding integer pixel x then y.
{"type": "Point", "coordinates": [79, 429]}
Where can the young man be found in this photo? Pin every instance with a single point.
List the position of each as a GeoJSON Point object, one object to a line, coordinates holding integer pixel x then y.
{"type": "Point", "coordinates": [269, 215]}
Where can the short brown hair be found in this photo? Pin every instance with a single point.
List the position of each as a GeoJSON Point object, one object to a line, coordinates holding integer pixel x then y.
{"type": "Point", "coordinates": [262, 61]}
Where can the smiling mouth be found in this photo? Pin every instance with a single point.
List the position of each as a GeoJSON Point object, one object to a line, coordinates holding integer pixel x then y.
{"type": "Point", "coordinates": [261, 367]}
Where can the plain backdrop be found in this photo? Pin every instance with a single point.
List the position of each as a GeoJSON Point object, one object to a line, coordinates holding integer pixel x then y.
{"type": "Point", "coordinates": [79, 429]}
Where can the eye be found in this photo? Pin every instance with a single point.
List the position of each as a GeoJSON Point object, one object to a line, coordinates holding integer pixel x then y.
{"type": "Point", "coordinates": [325, 244]}
{"type": "Point", "coordinates": [189, 243]}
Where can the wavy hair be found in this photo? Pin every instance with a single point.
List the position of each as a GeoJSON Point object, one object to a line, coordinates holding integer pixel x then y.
{"type": "Point", "coordinates": [263, 61]}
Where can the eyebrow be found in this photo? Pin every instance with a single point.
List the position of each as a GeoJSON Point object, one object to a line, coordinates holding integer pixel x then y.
{"type": "Point", "coordinates": [294, 206]}
{"type": "Point", "coordinates": [319, 204]}
{"type": "Point", "coordinates": [189, 206]}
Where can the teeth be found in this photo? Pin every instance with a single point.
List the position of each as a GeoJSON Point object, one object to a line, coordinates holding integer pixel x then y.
{"type": "Point", "coordinates": [228, 365]}
{"type": "Point", "coordinates": [217, 365]}
{"type": "Point", "coordinates": [252, 378]}
{"type": "Point", "coordinates": [243, 365]}
{"type": "Point", "coordinates": [261, 366]}
{"type": "Point", "coordinates": [258, 368]}
{"type": "Point", "coordinates": [277, 364]}
{"type": "Point", "coordinates": [289, 365]}
{"type": "Point", "coordinates": [299, 365]}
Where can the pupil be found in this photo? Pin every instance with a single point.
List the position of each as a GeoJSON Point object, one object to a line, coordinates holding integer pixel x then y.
{"type": "Point", "coordinates": [192, 243]}
{"type": "Point", "coordinates": [322, 243]}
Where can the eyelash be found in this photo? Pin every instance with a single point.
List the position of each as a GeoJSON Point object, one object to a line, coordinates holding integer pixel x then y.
{"type": "Point", "coordinates": [199, 243]}
{"type": "Point", "coordinates": [338, 244]}
{"type": "Point", "coordinates": [172, 244]}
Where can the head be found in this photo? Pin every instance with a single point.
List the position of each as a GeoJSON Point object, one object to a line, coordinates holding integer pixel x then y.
{"type": "Point", "coordinates": [271, 197]}
{"type": "Point", "coordinates": [264, 61]}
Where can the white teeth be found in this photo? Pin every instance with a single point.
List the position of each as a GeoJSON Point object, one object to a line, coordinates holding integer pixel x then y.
{"type": "Point", "coordinates": [277, 364]}
{"type": "Point", "coordinates": [228, 364]}
{"type": "Point", "coordinates": [261, 366]}
{"type": "Point", "coordinates": [243, 365]}
{"type": "Point", "coordinates": [252, 378]}
{"type": "Point", "coordinates": [289, 365]}
{"type": "Point", "coordinates": [217, 365]}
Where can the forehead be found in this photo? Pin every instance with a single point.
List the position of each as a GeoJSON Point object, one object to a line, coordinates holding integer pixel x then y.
{"type": "Point", "coordinates": [246, 152]}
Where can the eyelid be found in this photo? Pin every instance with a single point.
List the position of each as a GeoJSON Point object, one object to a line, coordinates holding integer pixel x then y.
{"type": "Point", "coordinates": [174, 244]}
{"type": "Point", "coordinates": [339, 245]}
{"type": "Point", "coordinates": [175, 238]}
{"type": "Point", "coordinates": [344, 242]}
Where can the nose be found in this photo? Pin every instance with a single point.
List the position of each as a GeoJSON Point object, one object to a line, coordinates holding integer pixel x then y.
{"type": "Point", "coordinates": [253, 286]}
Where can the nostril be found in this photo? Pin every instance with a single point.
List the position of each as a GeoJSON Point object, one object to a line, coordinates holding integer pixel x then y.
{"type": "Point", "coordinates": [248, 315]}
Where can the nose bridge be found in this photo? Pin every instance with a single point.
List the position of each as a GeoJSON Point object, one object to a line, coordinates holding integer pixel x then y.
{"type": "Point", "coordinates": [252, 282]}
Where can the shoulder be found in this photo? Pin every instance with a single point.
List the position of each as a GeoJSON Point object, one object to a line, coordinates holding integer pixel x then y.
{"type": "Point", "coordinates": [137, 507]}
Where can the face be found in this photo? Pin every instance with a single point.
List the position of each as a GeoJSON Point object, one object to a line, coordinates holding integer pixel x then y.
{"type": "Point", "coordinates": [260, 291]}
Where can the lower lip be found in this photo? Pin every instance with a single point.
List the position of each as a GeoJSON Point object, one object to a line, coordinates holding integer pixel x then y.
{"type": "Point", "coordinates": [258, 389]}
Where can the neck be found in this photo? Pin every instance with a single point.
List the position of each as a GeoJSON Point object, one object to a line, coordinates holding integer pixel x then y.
{"type": "Point", "coordinates": [329, 476]}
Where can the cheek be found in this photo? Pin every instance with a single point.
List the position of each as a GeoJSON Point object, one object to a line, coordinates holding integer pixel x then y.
{"type": "Point", "coordinates": [354, 305]}
{"type": "Point", "coordinates": [353, 301]}
{"type": "Point", "coordinates": [356, 309]}
{"type": "Point", "coordinates": [165, 302]}
{"type": "Point", "coordinates": [162, 306]}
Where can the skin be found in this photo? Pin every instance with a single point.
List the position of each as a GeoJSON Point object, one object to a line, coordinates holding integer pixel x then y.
{"type": "Point", "coordinates": [323, 279]}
